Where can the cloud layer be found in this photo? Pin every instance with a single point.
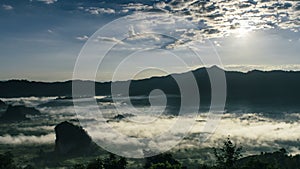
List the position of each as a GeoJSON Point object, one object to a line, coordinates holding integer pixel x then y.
{"type": "Point", "coordinates": [254, 131]}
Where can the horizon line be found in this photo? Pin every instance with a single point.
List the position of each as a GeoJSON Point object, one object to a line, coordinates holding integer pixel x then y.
{"type": "Point", "coordinates": [155, 76]}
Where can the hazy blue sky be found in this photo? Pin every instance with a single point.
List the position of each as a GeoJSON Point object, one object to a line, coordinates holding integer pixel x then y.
{"type": "Point", "coordinates": [41, 39]}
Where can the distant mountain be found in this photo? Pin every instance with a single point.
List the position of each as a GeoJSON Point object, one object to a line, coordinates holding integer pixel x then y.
{"type": "Point", "coordinates": [274, 88]}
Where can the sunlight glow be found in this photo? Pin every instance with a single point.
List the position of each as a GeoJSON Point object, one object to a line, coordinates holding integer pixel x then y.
{"type": "Point", "coordinates": [242, 32]}
{"type": "Point", "coordinates": [242, 28]}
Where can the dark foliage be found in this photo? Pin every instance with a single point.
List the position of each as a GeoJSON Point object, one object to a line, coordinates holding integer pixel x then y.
{"type": "Point", "coordinates": [112, 162]}
{"type": "Point", "coordinates": [79, 166]}
{"type": "Point", "coordinates": [276, 160]}
{"type": "Point", "coordinates": [96, 164]}
{"type": "Point", "coordinates": [162, 161]}
{"type": "Point", "coordinates": [29, 167]}
{"type": "Point", "coordinates": [7, 162]}
{"type": "Point", "coordinates": [204, 166]}
{"type": "Point", "coordinates": [165, 165]}
{"type": "Point", "coordinates": [227, 155]}
{"type": "Point", "coordinates": [258, 164]}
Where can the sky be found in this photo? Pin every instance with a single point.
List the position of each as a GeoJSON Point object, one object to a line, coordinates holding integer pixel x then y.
{"type": "Point", "coordinates": [42, 39]}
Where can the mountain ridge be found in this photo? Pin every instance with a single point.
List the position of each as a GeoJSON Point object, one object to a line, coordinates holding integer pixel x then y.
{"type": "Point", "coordinates": [201, 68]}
{"type": "Point", "coordinates": [275, 88]}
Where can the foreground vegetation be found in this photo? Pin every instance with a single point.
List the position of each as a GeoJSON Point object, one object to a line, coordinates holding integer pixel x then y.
{"type": "Point", "coordinates": [228, 156]}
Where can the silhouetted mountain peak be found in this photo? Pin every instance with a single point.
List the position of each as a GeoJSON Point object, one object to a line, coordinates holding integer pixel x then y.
{"type": "Point", "coordinates": [255, 87]}
{"type": "Point", "coordinates": [215, 67]}
{"type": "Point", "coordinates": [71, 139]}
{"type": "Point", "coordinates": [206, 69]}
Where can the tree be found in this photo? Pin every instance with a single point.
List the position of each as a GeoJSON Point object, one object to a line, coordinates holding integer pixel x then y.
{"type": "Point", "coordinates": [203, 166]}
{"type": "Point", "coordinates": [79, 166]}
{"type": "Point", "coordinates": [6, 161]}
{"type": "Point", "coordinates": [96, 164]}
{"type": "Point", "coordinates": [258, 164]}
{"type": "Point", "coordinates": [162, 161]}
{"type": "Point", "coordinates": [113, 163]}
{"type": "Point", "coordinates": [165, 165]}
{"type": "Point", "coordinates": [227, 155]}
{"type": "Point", "coordinates": [29, 167]}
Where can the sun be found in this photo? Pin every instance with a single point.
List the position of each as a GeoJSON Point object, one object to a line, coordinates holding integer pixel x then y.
{"type": "Point", "coordinates": [243, 29]}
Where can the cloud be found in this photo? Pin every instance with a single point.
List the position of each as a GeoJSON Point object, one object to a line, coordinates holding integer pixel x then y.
{"type": "Point", "coordinates": [50, 31]}
{"type": "Point", "coordinates": [22, 139]}
{"type": "Point", "coordinates": [38, 128]}
{"type": "Point", "coordinates": [219, 17]}
{"type": "Point", "coordinates": [96, 10]}
{"type": "Point", "coordinates": [28, 101]}
{"type": "Point", "coordinates": [7, 7]}
{"type": "Point", "coordinates": [255, 131]}
{"type": "Point", "coordinates": [247, 68]}
{"type": "Point", "coordinates": [48, 1]}
{"type": "Point", "coordinates": [109, 39]}
{"type": "Point", "coordinates": [160, 5]}
{"type": "Point", "coordinates": [137, 7]}
{"type": "Point", "coordinates": [82, 38]}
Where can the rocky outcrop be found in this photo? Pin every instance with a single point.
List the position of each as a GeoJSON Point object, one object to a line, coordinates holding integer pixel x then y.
{"type": "Point", "coordinates": [3, 107]}
{"type": "Point", "coordinates": [18, 113]}
{"type": "Point", "coordinates": [2, 103]}
{"type": "Point", "coordinates": [72, 140]}
{"type": "Point", "coordinates": [119, 117]}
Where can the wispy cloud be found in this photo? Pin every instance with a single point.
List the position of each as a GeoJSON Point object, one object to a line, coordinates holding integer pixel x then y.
{"type": "Point", "coordinates": [97, 10]}
{"type": "Point", "coordinates": [22, 139]}
{"type": "Point", "coordinates": [50, 31]}
{"type": "Point", "coordinates": [7, 7]}
{"type": "Point", "coordinates": [246, 68]}
{"type": "Point", "coordinates": [109, 39]}
{"type": "Point", "coordinates": [48, 1]}
{"type": "Point", "coordinates": [82, 38]}
{"type": "Point", "coordinates": [137, 7]}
